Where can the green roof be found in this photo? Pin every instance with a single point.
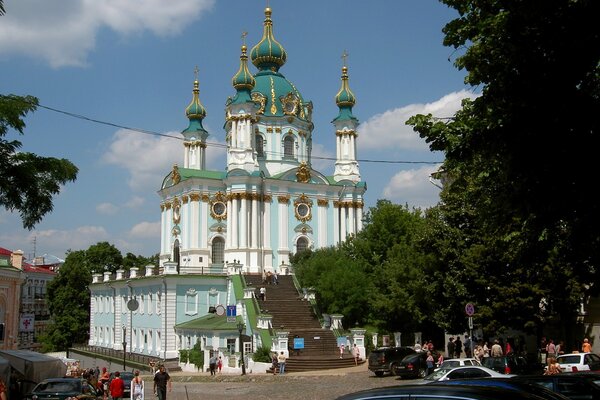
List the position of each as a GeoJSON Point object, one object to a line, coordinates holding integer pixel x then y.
{"type": "Point", "coordinates": [210, 322]}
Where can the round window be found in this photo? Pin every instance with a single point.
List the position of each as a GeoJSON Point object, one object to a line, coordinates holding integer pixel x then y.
{"type": "Point", "coordinates": [219, 208]}
{"type": "Point", "coordinates": [303, 210]}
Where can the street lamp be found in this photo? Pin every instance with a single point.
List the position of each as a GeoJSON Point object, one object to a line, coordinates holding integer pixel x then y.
{"type": "Point", "coordinates": [241, 327]}
{"type": "Point", "coordinates": [124, 346]}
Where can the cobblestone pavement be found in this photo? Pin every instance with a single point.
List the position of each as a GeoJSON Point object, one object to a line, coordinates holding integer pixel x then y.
{"type": "Point", "coordinates": [292, 386]}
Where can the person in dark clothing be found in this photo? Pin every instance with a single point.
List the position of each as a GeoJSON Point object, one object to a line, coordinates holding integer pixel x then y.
{"type": "Point", "coordinates": [457, 347]}
{"type": "Point", "coordinates": [450, 347]}
{"type": "Point", "coordinates": [162, 380]}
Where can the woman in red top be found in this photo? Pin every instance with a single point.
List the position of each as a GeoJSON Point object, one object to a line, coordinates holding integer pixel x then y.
{"type": "Point", "coordinates": [117, 387]}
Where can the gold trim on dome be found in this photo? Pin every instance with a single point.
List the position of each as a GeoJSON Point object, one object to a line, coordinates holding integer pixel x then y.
{"type": "Point", "coordinates": [219, 201]}
{"type": "Point", "coordinates": [175, 177]}
{"type": "Point", "coordinates": [283, 199]}
{"type": "Point", "coordinates": [273, 106]}
{"type": "Point", "coordinates": [290, 103]}
{"type": "Point", "coordinates": [322, 202]}
{"type": "Point", "coordinates": [261, 99]}
{"type": "Point", "coordinates": [303, 173]}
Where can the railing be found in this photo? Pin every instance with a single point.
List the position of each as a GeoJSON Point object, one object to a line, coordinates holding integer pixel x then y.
{"type": "Point", "coordinates": [140, 360]}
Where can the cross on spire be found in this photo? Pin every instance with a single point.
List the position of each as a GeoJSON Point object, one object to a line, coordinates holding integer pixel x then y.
{"type": "Point", "coordinates": [244, 34]}
{"type": "Point", "coordinates": [345, 57]}
{"type": "Point", "coordinates": [196, 70]}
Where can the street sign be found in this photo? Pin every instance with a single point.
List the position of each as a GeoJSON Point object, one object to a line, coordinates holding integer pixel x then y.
{"type": "Point", "coordinates": [470, 309]}
{"type": "Point", "coordinates": [231, 313]}
{"type": "Point", "coordinates": [470, 322]}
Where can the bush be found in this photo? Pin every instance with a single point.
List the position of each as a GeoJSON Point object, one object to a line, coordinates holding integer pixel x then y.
{"type": "Point", "coordinates": [262, 354]}
{"type": "Point", "coordinates": [196, 356]}
{"type": "Point", "coordinates": [184, 356]}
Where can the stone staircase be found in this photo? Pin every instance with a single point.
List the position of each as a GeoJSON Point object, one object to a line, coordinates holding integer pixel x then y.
{"type": "Point", "coordinates": [295, 315]}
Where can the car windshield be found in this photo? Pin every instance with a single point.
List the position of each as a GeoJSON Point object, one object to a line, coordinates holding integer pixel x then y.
{"type": "Point", "coordinates": [575, 359]}
{"type": "Point", "coordinates": [436, 375]}
{"type": "Point", "coordinates": [58, 387]}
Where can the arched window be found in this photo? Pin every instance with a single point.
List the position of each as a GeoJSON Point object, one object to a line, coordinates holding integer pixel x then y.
{"type": "Point", "coordinates": [301, 244]}
{"type": "Point", "coordinates": [288, 147]}
{"type": "Point", "coordinates": [176, 253]}
{"type": "Point", "coordinates": [218, 250]}
{"type": "Point", "coordinates": [260, 143]}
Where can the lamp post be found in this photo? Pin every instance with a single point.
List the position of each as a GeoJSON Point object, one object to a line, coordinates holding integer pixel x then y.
{"type": "Point", "coordinates": [240, 327]}
{"type": "Point", "coordinates": [124, 346]}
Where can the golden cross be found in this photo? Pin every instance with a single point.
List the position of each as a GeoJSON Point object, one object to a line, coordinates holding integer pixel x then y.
{"type": "Point", "coordinates": [196, 70]}
{"type": "Point", "coordinates": [345, 56]}
{"type": "Point", "coordinates": [244, 34]}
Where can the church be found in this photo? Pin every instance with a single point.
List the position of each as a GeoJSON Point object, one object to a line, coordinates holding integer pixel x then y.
{"type": "Point", "coordinates": [266, 204]}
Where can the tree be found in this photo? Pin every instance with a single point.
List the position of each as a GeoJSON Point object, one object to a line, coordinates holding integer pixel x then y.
{"type": "Point", "coordinates": [103, 257]}
{"type": "Point", "coordinates": [29, 181]}
{"type": "Point", "coordinates": [520, 158]}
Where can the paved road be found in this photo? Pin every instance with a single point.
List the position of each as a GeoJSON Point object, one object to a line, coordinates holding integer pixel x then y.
{"type": "Point", "coordinates": [293, 386]}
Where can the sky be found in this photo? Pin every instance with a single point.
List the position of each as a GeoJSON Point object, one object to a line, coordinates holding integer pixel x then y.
{"type": "Point", "coordinates": [113, 78]}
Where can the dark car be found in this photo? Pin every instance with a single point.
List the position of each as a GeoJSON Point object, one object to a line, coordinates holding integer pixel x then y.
{"type": "Point", "coordinates": [62, 389]}
{"type": "Point", "coordinates": [127, 378]}
{"type": "Point", "coordinates": [513, 364]}
{"type": "Point", "coordinates": [385, 359]}
{"type": "Point", "coordinates": [413, 366]}
{"type": "Point", "coordinates": [440, 392]}
{"type": "Point", "coordinates": [507, 383]}
{"type": "Point", "coordinates": [574, 385]}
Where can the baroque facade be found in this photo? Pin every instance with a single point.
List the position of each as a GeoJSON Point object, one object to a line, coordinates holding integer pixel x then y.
{"type": "Point", "coordinates": [266, 204]}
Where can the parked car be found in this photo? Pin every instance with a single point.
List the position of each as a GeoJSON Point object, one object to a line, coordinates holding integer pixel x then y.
{"type": "Point", "coordinates": [579, 362]}
{"type": "Point", "coordinates": [385, 359]}
{"type": "Point", "coordinates": [458, 362]}
{"type": "Point", "coordinates": [127, 378]}
{"type": "Point", "coordinates": [412, 366]}
{"type": "Point", "coordinates": [63, 389]}
{"type": "Point", "coordinates": [440, 392]}
{"type": "Point", "coordinates": [507, 383]}
{"type": "Point", "coordinates": [513, 364]}
{"type": "Point", "coordinates": [472, 371]}
{"type": "Point", "coordinates": [574, 385]}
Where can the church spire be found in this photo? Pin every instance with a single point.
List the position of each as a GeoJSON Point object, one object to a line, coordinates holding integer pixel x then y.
{"type": "Point", "coordinates": [195, 135]}
{"type": "Point", "coordinates": [345, 99]}
{"type": "Point", "coordinates": [268, 54]}
{"type": "Point", "coordinates": [243, 81]}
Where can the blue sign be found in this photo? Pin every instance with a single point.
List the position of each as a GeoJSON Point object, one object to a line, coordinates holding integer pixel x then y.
{"type": "Point", "coordinates": [298, 343]}
{"type": "Point", "coordinates": [231, 311]}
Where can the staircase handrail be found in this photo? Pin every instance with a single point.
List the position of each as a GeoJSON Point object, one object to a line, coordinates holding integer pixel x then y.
{"type": "Point", "coordinates": [313, 302]}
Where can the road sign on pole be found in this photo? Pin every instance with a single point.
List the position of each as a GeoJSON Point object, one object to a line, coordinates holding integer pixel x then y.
{"type": "Point", "coordinates": [470, 309]}
{"type": "Point", "coordinates": [231, 313]}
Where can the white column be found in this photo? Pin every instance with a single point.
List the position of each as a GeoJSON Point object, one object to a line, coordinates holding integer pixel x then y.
{"type": "Point", "coordinates": [244, 222]}
{"type": "Point", "coordinates": [336, 225]}
{"type": "Point", "coordinates": [234, 223]}
{"type": "Point", "coordinates": [283, 226]}
{"type": "Point", "coordinates": [266, 225]}
{"type": "Point", "coordinates": [343, 223]}
{"type": "Point", "coordinates": [202, 155]}
{"type": "Point", "coordinates": [229, 223]}
{"type": "Point", "coordinates": [359, 217]}
{"type": "Point", "coordinates": [254, 222]}
{"type": "Point", "coordinates": [338, 147]}
{"type": "Point", "coordinates": [322, 232]}
{"type": "Point", "coordinates": [186, 157]}
{"type": "Point", "coordinates": [234, 140]}
{"type": "Point", "coordinates": [351, 226]}
{"type": "Point", "coordinates": [202, 239]}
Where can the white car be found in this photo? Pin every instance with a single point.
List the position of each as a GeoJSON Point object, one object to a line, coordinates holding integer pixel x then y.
{"type": "Point", "coordinates": [466, 372]}
{"type": "Point", "coordinates": [579, 362]}
{"type": "Point", "coordinates": [458, 362]}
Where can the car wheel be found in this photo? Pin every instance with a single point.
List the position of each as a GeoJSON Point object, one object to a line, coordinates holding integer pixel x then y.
{"type": "Point", "coordinates": [379, 373]}
{"type": "Point", "coordinates": [422, 373]}
{"type": "Point", "coordinates": [393, 369]}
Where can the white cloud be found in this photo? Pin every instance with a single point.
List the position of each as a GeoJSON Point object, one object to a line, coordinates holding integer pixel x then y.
{"type": "Point", "coordinates": [107, 208]}
{"type": "Point", "coordinates": [321, 159]}
{"type": "Point", "coordinates": [388, 129]}
{"type": "Point", "coordinates": [135, 202]}
{"type": "Point", "coordinates": [57, 242]}
{"type": "Point", "coordinates": [413, 187]}
{"type": "Point", "coordinates": [64, 32]}
{"type": "Point", "coordinates": [146, 230]}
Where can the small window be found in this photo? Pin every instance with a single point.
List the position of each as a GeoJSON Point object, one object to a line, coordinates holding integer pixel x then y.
{"type": "Point", "coordinates": [260, 143]}
{"type": "Point", "coordinates": [218, 250]}
{"type": "Point", "coordinates": [301, 244]}
{"type": "Point", "coordinates": [288, 147]}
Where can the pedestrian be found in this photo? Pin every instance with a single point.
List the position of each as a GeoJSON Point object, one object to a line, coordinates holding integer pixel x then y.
{"type": "Point", "coordinates": [274, 363]}
{"type": "Point", "coordinates": [457, 347]}
{"type": "Point", "coordinates": [281, 359]}
{"type": "Point", "coordinates": [429, 361]}
{"type": "Point", "coordinates": [450, 347]}
{"type": "Point", "coordinates": [212, 364]}
{"type": "Point", "coordinates": [275, 278]}
{"type": "Point", "coordinates": [117, 387]}
{"type": "Point", "coordinates": [162, 381]}
{"type": "Point", "coordinates": [551, 348]}
{"type": "Point", "coordinates": [96, 373]}
{"type": "Point", "coordinates": [467, 345]}
{"type": "Point", "coordinates": [560, 348]}
{"type": "Point", "coordinates": [417, 347]}
{"type": "Point", "coordinates": [103, 383]}
{"type": "Point", "coordinates": [220, 364]}
{"type": "Point", "coordinates": [356, 353]}
{"type": "Point", "coordinates": [263, 293]}
{"type": "Point", "coordinates": [586, 347]}
{"type": "Point", "coordinates": [496, 349]}
{"type": "Point", "coordinates": [553, 367]}
{"type": "Point", "coordinates": [440, 359]}
{"type": "Point", "coordinates": [342, 349]}
{"type": "Point", "coordinates": [137, 387]}
{"type": "Point", "coordinates": [486, 349]}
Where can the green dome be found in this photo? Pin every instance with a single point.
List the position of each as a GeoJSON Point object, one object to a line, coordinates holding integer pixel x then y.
{"type": "Point", "coordinates": [277, 95]}
{"type": "Point", "coordinates": [345, 99]}
{"type": "Point", "coordinates": [195, 110]}
{"type": "Point", "coordinates": [268, 53]}
{"type": "Point", "coordinates": [243, 79]}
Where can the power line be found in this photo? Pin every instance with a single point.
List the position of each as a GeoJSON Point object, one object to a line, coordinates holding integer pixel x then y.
{"type": "Point", "coordinates": [211, 144]}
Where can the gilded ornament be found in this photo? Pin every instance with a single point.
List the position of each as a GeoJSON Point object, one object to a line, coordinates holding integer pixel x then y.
{"type": "Point", "coordinates": [322, 202]}
{"type": "Point", "coordinates": [283, 199]}
{"type": "Point", "coordinates": [303, 208]}
{"type": "Point", "coordinates": [278, 130]}
{"type": "Point", "coordinates": [259, 98]}
{"type": "Point", "coordinates": [218, 206]}
{"type": "Point", "coordinates": [176, 211]}
{"type": "Point", "coordinates": [175, 177]}
{"type": "Point", "coordinates": [290, 104]}
{"type": "Point", "coordinates": [205, 198]}
{"type": "Point", "coordinates": [194, 196]}
{"type": "Point", "coordinates": [267, 198]}
{"type": "Point", "coordinates": [185, 198]}
{"type": "Point", "coordinates": [273, 106]}
{"type": "Point", "coordinates": [303, 173]}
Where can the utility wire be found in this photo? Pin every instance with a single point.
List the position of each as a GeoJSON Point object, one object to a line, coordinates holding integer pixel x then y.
{"type": "Point", "coordinates": [211, 144]}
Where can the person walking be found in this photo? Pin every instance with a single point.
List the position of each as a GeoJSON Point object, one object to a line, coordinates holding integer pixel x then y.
{"type": "Point", "coordinates": [117, 387]}
{"type": "Point", "coordinates": [220, 364]}
{"type": "Point", "coordinates": [457, 347]}
{"type": "Point", "coordinates": [586, 347]}
{"type": "Point", "coordinates": [212, 364]}
{"type": "Point", "coordinates": [450, 347]}
{"type": "Point", "coordinates": [496, 349]}
{"type": "Point", "coordinates": [430, 362]}
{"type": "Point", "coordinates": [162, 381]}
{"type": "Point", "coordinates": [281, 359]}
{"type": "Point", "coordinates": [274, 363]}
{"type": "Point", "coordinates": [103, 383]}
{"type": "Point", "coordinates": [342, 349]}
{"type": "Point", "coordinates": [356, 353]}
{"type": "Point", "coordinates": [137, 387]}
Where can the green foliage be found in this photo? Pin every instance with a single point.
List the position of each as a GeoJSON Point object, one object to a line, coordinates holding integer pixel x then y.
{"type": "Point", "coordinates": [196, 356]}
{"type": "Point", "coordinates": [29, 181]}
{"type": "Point", "coordinates": [102, 257]}
{"type": "Point", "coordinates": [262, 354]}
{"type": "Point", "coordinates": [515, 222]}
{"type": "Point", "coordinates": [184, 356]}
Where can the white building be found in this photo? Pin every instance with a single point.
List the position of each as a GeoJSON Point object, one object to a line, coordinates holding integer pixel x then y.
{"type": "Point", "coordinates": [266, 204]}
